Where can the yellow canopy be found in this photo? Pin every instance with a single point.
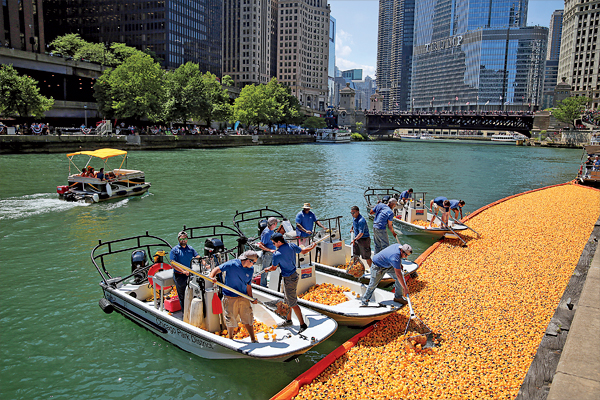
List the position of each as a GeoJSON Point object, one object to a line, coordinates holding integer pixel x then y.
{"type": "Point", "coordinates": [101, 153]}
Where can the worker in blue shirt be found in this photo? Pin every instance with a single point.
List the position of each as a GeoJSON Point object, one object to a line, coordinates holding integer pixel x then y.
{"type": "Point", "coordinates": [361, 244]}
{"type": "Point", "coordinates": [384, 215]}
{"type": "Point", "coordinates": [384, 261]}
{"type": "Point", "coordinates": [238, 276]}
{"type": "Point", "coordinates": [285, 258]}
{"type": "Point", "coordinates": [183, 254]}
{"type": "Point", "coordinates": [305, 222]}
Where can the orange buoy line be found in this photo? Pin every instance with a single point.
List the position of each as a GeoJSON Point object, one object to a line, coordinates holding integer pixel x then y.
{"type": "Point", "coordinates": [490, 301]}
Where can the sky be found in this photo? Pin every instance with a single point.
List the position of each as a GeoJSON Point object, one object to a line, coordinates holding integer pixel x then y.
{"type": "Point", "coordinates": [356, 39]}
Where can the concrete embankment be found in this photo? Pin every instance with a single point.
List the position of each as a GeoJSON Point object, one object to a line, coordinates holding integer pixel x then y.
{"type": "Point", "coordinates": [15, 144]}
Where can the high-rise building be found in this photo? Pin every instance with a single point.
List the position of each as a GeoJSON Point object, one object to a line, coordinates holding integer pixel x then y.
{"type": "Point", "coordinates": [476, 55]}
{"type": "Point", "coordinates": [554, 35]}
{"type": "Point", "coordinates": [248, 40]}
{"type": "Point", "coordinates": [552, 57]}
{"type": "Point", "coordinates": [331, 63]}
{"type": "Point", "coordinates": [353, 74]}
{"type": "Point", "coordinates": [23, 25]}
{"type": "Point", "coordinates": [579, 59]}
{"type": "Point", "coordinates": [394, 52]}
{"type": "Point", "coordinates": [303, 50]}
{"type": "Point", "coordinates": [177, 31]}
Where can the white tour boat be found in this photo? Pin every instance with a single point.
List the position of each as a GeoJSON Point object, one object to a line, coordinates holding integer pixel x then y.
{"type": "Point", "coordinates": [116, 183]}
{"type": "Point", "coordinates": [140, 296]}
{"type": "Point", "coordinates": [333, 136]}
{"type": "Point", "coordinates": [508, 138]}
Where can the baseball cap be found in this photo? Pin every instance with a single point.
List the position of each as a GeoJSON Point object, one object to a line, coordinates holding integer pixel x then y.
{"type": "Point", "coordinates": [392, 200]}
{"type": "Point", "coordinates": [278, 237]}
{"type": "Point", "coordinates": [182, 233]}
{"type": "Point", "coordinates": [406, 248]}
{"type": "Point", "coordinates": [249, 254]}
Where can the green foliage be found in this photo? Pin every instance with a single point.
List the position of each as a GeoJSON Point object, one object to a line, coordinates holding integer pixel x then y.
{"type": "Point", "coordinates": [20, 95]}
{"type": "Point", "coordinates": [357, 136]}
{"type": "Point", "coordinates": [135, 89]}
{"type": "Point", "coordinates": [314, 123]}
{"type": "Point", "coordinates": [218, 100]}
{"type": "Point", "coordinates": [95, 52]}
{"type": "Point", "coordinates": [227, 81]}
{"type": "Point", "coordinates": [570, 109]}
{"type": "Point", "coordinates": [68, 45]}
{"type": "Point", "coordinates": [359, 126]}
{"type": "Point", "coordinates": [185, 94]}
{"type": "Point", "coordinates": [247, 108]}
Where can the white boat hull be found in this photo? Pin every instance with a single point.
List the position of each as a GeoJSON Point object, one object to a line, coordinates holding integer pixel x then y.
{"type": "Point", "coordinates": [408, 228]}
{"type": "Point", "coordinates": [349, 313]}
{"type": "Point", "coordinates": [205, 344]}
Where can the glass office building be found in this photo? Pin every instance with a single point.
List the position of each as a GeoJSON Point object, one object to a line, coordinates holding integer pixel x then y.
{"type": "Point", "coordinates": [178, 31]}
{"type": "Point", "coordinates": [476, 55]}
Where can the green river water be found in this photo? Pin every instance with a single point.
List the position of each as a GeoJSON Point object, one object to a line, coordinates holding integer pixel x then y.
{"type": "Point", "coordinates": [56, 343]}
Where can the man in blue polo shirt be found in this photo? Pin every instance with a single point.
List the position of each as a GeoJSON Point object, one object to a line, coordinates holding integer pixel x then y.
{"type": "Point", "coordinates": [361, 244]}
{"type": "Point", "coordinates": [384, 261]}
{"type": "Point", "coordinates": [457, 206]}
{"type": "Point", "coordinates": [285, 258]}
{"type": "Point", "coordinates": [383, 220]}
{"type": "Point", "coordinates": [238, 276]}
{"type": "Point", "coordinates": [405, 196]}
{"type": "Point", "coordinates": [183, 254]}
{"type": "Point", "coordinates": [305, 222]}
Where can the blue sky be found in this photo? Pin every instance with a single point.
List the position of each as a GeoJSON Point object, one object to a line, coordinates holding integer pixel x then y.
{"type": "Point", "coordinates": [356, 41]}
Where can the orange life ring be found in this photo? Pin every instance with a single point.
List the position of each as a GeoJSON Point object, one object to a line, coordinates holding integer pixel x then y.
{"type": "Point", "coordinates": [157, 268]}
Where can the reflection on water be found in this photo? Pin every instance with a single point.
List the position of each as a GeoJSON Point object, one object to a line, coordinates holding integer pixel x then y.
{"type": "Point", "coordinates": [56, 342]}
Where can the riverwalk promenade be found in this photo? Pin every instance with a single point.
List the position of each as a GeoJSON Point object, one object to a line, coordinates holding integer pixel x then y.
{"type": "Point", "coordinates": [24, 144]}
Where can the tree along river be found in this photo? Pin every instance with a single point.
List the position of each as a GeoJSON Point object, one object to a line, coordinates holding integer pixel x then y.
{"type": "Point", "coordinates": [57, 343]}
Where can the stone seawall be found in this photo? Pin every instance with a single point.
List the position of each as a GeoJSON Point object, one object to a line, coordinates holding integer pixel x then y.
{"type": "Point", "coordinates": [16, 144]}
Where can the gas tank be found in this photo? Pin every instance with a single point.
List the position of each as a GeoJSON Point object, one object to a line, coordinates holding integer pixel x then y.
{"type": "Point", "coordinates": [196, 314]}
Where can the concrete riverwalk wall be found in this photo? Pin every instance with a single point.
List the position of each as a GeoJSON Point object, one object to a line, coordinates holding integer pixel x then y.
{"type": "Point", "coordinates": [15, 144]}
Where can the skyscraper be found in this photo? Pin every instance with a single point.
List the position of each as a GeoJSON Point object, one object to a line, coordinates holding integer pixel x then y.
{"type": "Point", "coordinates": [248, 40]}
{"type": "Point", "coordinates": [331, 64]}
{"type": "Point", "coordinates": [22, 25]}
{"type": "Point", "coordinates": [476, 55]}
{"type": "Point", "coordinates": [394, 52]}
{"type": "Point", "coordinates": [552, 57]}
{"type": "Point", "coordinates": [303, 50]}
{"type": "Point", "coordinates": [177, 31]}
{"type": "Point", "coordinates": [579, 59]}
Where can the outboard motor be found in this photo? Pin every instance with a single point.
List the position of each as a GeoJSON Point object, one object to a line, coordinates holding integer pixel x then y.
{"type": "Point", "coordinates": [215, 252]}
{"type": "Point", "coordinates": [262, 224]}
{"type": "Point", "coordinates": [385, 199]}
{"type": "Point", "coordinates": [138, 261]}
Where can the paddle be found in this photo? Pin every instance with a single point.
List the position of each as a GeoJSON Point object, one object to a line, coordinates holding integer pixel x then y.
{"type": "Point", "coordinates": [191, 271]}
{"type": "Point", "coordinates": [468, 227]}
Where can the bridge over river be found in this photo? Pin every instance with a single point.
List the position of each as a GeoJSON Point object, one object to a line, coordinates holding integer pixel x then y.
{"type": "Point", "coordinates": [383, 124]}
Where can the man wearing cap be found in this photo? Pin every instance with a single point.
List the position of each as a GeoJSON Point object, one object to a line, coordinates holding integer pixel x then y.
{"type": "Point", "coordinates": [384, 215]}
{"type": "Point", "coordinates": [384, 261]}
{"type": "Point", "coordinates": [447, 205]}
{"type": "Point", "coordinates": [267, 246]}
{"type": "Point", "coordinates": [238, 276]}
{"type": "Point", "coordinates": [305, 222]}
{"type": "Point", "coordinates": [285, 258]}
{"type": "Point", "coordinates": [183, 254]}
{"type": "Point", "coordinates": [405, 196]}
{"type": "Point", "coordinates": [361, 244]}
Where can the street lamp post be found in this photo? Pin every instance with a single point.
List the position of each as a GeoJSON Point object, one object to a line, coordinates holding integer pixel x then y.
{"type": "Point", "coordinates": [85, 109]}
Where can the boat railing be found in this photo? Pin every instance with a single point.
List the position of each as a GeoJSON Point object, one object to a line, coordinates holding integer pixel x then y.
{"type": "Point", "coordinates": [332, 228]}
{"type": "Point", "coordinates": [103, 250]}
{"type": "Point", "coordinates": [220, 232]}
{"type": "Point", "coordinates": [254, 215]}
{"type": "Point", "coordinates": [379, 193]}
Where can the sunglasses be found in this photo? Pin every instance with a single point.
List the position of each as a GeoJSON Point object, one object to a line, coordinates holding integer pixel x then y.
{"type": "Point", "coordinates": [183, 239]}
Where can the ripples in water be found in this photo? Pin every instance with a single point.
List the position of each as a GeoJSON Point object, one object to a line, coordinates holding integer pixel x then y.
{"type": "Point", "coordinates": [34, 204]}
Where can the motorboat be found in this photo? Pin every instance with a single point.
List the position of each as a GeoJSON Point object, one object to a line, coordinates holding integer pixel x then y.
{"type": "Point", "coordinates": [141, 292]}
{"type": "Point", "coordinates": [587, 174]}
{"type": "Point", "coordinates": [333, 136]}
{"type": "Point", "coordinates": [116, 183]}
{"type": "Point", "coordinates": [416, 136]}
{"type": "Point", "coordinates": [415, 218]}
{"type": "Point", "coordinates": [377, 195]}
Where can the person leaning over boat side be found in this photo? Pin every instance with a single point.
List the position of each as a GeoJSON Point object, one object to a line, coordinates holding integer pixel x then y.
{"type": "Point", "coordinates": [361, 244]}
{"type": "Point", "coordinates": [267, 246]}
{"type": "Point", "coordinates": [384, 215]}
{"type": "Point", "coordinates": [305, 221]}
{"type": "Point", "coordinates": [183, 254]}
{"type": "Point", "coordinates": [238, 276]}
{"type": "Point", "coordinates": [456, 206]}
{"type": "Point", "coordinates": [405, 196]}
{"type": "Point", "coordinates": [435, 205]}
{"type": "Point", "coordinates": [285, 258]}
{"type": "Point", "coordinates": [384, 261]}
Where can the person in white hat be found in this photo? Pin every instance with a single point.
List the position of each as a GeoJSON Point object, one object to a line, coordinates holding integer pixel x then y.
{"type": "Point", "coordinates": [238, 275]}
{"type": "Point", "coordinates": [387, 260]}
{"type": "Point", "coordinates": [305, 222]}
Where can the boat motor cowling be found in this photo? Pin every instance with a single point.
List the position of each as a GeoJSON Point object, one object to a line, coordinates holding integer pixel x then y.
{"type": "Point", "coordinates": [213, 246]}
{"type": "Point", "coordinates": [138, 261]}
{"type": "Point", "coordinates": [262, 224]}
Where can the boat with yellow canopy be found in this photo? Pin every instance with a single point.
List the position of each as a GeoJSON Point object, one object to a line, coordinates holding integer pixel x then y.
{"type": "Point", "coordinates": [87, 184]}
